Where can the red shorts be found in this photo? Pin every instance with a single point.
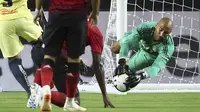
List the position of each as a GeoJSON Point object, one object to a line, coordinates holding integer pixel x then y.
{"type": "Point", "coordinates": [94, 39]}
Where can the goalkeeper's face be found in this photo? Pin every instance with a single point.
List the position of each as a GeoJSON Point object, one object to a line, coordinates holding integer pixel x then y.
{"type": "Point", "coordinates": [163, 28]}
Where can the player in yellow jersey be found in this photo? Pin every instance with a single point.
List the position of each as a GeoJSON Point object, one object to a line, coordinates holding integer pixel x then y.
{"type": "Point", "coordinates": [16, 20]}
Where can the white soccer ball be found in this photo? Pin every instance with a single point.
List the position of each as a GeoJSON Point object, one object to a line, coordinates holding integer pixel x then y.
{"type": "Point", "coordinates": [119, 83]}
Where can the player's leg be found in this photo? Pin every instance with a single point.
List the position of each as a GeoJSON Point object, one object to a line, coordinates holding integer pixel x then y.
{"type": "Point", "coordinates": [140, 60]}
{"type": "Point", "coordinates": [76, 39]}
{"type": "Point", "coordinates": [59, 77]}
{"type": "Point", "coordinates": [11, 46]}
{"type": "Point", "coordinates": [30, 32]}
{"type": "Point", "coordinates": [58, 98]}
{"type": "Point", "coordinates": [37, 55]}
{"type": "Point", "coordinates": [17, 69]}
{"type": "Point", "coordinates": [59, 80]}
{"type": "Point", "coordinates": [53, 39]}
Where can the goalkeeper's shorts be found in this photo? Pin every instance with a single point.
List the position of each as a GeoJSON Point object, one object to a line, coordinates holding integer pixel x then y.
{"type": "Point", "coordinates": [140, 60]}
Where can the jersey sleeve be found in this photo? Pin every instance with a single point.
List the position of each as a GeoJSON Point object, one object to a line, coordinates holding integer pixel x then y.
{"type": "Point", "coordinates": [165, 53]}
{"type": "Point", "coordinates": [95, 39]}
{"type": "Point", "coordinates": [130, 41]}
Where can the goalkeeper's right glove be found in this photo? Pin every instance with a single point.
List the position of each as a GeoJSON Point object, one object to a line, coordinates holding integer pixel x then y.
{"type": "Point", "coordinates": [122, 68]}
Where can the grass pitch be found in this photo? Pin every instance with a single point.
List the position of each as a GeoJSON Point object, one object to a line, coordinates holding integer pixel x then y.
{"type": "Point", "coordinates": [134, 102]}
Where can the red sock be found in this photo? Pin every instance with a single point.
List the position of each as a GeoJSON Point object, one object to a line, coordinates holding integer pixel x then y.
{"type": "Point", "coordinates": [58, 98]}
{"type": "Point", "coordinates": [46, 75]}
{"type": "Point", "coordinates": [71, 84]}
{"type": "Point", "coordinates": [37, 77]}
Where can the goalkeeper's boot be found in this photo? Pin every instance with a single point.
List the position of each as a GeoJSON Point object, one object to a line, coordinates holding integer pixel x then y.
{"type": "Point", "coordinates": [46, 99]}
{"type": "Point", "coordinates": [71, 106]}
{"type": "Point", "coordinates": [35, 97]}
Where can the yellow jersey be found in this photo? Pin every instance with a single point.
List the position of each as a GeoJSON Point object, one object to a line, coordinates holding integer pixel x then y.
{"type": "Point", "coordinates": [13, 9]}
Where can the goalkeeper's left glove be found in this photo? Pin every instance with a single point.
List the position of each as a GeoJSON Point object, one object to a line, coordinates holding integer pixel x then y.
{"type": "Point", "coordinates": [122, 68]}
{"type": "Point", "coordinates": [134, 79]}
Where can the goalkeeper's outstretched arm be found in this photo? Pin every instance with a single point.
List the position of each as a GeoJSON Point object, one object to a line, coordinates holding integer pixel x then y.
{"type": "Point", "coordinates": [129, 41]}
{"type": "Point", "coordinates": [165, 53]}
{"type": "Point", "coordinates": [123, 46]}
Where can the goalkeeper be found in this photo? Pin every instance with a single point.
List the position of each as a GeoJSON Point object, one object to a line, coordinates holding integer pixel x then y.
{"type": "Point", "coordinates": [155, 47]}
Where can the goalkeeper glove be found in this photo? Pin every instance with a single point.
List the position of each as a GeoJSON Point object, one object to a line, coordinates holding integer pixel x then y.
{"type": "Point", "coordinates": [122, 68]}
{"type": "Point", "coordinates": [135, 79]}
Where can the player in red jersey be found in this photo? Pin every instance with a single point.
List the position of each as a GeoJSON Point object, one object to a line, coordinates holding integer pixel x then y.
{"type": "Point", "coordinates": [67, 22]}
{"type": "Point", "coordinates": [95, 40]}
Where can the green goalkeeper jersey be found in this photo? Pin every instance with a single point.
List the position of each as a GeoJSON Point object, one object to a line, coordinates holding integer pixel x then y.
{"type": "Point", "coordinates": [142, 38]}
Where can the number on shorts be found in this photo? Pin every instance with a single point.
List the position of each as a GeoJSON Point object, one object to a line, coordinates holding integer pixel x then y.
{"type": "Point", "coordinates": [8, 4]}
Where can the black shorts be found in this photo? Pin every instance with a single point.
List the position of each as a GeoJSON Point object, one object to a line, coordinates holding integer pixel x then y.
{"type": "Point", "coordinates": [69, 27]}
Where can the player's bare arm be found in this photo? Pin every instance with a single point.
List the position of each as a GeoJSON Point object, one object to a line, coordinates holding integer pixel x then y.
{"type": "Point", "coordinates": [93, 18]}
{"type": "Point", "coordinates": [99, 73]}
{"type": "Point", "coordinates": [38, 5]}
{"type": "Point", "coordinates": [115, 48]}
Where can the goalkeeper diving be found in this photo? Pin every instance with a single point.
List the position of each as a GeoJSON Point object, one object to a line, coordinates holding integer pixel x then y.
{"type": "Point", "coordinates": [155, 46]}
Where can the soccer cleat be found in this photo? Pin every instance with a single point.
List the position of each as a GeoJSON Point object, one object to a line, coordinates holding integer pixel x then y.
{"type": "Point", "coordinates": [46, 99]}
{"type": "Point", "coordinates": [72, 106]}
{"type": "Point", "coordinates": [77, 101]}
{"type": "Point", "coordinates": [35, 97]}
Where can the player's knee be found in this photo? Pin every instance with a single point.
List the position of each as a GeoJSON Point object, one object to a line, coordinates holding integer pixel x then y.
{"type": "Point", "coordinates": [50, 58]}
{"type": "Point", "coordinates": [37, 55]}
{"type": "Point", "coordinates": [13, 58]}
{"type": "Point", "coordinates": [48, 61]}
{"type": "Point", "coordinates": [73, 60]}
{"type": "Point", "coordinates": [37, 42]}
{"type": "Point", "coordinates": [116, 48]}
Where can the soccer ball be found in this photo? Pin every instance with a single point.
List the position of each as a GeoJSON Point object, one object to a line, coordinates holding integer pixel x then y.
{"type": "Point", "coordinates": [119, 83]}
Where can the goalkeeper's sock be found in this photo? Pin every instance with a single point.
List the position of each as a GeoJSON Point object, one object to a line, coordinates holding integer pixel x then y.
{"type": "Point", "coordinates": [72, 79]}
{"type": "Point", "coordinates": [58, 98]}
{"type": "Point", "coordinates": [47, 72]}
{"type": "Point", "coordinates": [20, 74]}
{"type": "Point", "coordinates": [37, 77]}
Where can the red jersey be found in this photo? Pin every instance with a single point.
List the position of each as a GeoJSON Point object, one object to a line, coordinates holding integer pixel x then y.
{"type": "Point", "coordinates": [68, 5]}
{"type": "Point", "coordinates": [94, 40]}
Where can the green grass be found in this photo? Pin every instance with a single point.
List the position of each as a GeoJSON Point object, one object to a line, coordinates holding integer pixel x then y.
{"type": "Point", "coordinates": [135, 102]}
